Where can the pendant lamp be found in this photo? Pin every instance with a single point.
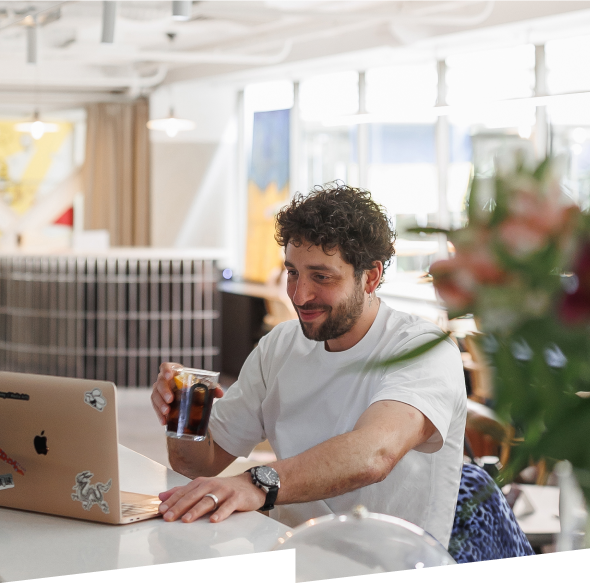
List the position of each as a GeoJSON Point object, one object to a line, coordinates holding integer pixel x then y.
{"type": "Point", "coordinates": [36, 128]}
{"type": "Point", "coordinates": [171, 125]}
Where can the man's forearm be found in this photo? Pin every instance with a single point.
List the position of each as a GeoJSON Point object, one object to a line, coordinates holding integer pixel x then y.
{"type": "Point", "coordinates": [197, 458]}
{"type": "Point", "coordinates": [334, 467]}
{"type": "Point", "coordinates": [364, 456]}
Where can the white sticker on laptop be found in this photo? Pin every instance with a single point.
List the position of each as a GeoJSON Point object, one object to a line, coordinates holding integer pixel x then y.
{"type": "Point", "coordinates": [91, 494]}
{"type": "Point", "coordinates": [95, 399]}
{"type": "Point", "coordinates": [6, 481]}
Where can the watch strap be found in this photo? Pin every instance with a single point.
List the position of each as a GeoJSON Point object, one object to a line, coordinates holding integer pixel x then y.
{"type": "Point", "coordinates": [271, 498]}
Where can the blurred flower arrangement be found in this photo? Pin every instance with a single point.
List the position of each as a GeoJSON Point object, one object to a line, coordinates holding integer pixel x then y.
{"type": "Point", "coordinates": [522, 267]}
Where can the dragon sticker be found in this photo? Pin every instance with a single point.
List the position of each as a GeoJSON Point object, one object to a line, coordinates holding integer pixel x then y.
{"type": "Point", "coordinates": [90, 494]}
{"type": "Point", "coordinates": [6, 481]}
{"type": "Point", "coordinates": [95, 399]}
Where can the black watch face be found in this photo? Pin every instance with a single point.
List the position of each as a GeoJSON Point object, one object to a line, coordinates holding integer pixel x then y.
{"type": "Point", "coordinates": [267, 476]}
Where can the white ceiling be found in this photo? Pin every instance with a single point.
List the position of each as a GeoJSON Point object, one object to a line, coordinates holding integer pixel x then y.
{"type": "Point", "coordinates": [221, 38]}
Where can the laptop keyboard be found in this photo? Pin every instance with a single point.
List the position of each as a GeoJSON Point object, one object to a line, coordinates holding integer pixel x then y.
{"type": "Point", "coordinates": [130, 509]}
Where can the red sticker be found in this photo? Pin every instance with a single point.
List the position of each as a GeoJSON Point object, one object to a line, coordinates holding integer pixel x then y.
{"type": "Point", "coordinates": [4, 457]}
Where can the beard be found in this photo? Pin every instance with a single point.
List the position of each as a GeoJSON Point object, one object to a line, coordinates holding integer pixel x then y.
{"type": "Point", "coordinates": [340, 319]}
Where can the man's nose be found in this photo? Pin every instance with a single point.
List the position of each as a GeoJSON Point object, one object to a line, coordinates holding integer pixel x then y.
{"type": "Point", "coordinates": [303, 292]}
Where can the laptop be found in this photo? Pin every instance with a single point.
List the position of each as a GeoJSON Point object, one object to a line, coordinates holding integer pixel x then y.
{"type": "Point", "coordinates": [59, 450]}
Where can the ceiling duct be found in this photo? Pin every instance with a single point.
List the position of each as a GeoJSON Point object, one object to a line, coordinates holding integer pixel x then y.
{"type": "Point", "coordinates": [32, 43]}
{"type": "Point", "coordinates": [182, 9]}
{"type": "Point", "coordinates": [109, 15]}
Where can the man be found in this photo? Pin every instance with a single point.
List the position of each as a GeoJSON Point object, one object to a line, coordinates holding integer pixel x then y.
{"type": "Point", "coordinates": [344, 434]}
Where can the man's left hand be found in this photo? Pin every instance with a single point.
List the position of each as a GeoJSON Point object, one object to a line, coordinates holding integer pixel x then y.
{"type": "Point", "coordinates": [235, 494]}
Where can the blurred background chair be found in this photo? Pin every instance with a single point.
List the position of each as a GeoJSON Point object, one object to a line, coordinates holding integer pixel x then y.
{"type": "Point", "coordinates": [485, 527]}
{"type": "Point", "coordinates": [277, 303]}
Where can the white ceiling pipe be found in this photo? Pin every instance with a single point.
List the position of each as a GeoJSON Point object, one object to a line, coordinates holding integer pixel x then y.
{"type": "Point", "coordinates": [442, 7]}
{"type": "Point", "coordinates": [182, 9]}
{"type": "Point", "coordinates": [190, 58]}
{"type": "Point", "coordinates": [81, 81]}
{"type": "Point", "coordinates": [32, 44]}
{"type": "Point", "coordinates": [33, 13]}
{"type": "Point", "coordinates": [124, 55]}
{"type": "Point", "coordinates": [447, 20]}
{"type": "Point", "coordinates": [109, 16]}
{"type": "Point", "coordinates": [383, 10]}
{"type": "Point", "coordinates": [267, 35]}
{"type": "Point", "coordinates": [290, 29]}
{"type": "Point", "coordinates": [18, 105]}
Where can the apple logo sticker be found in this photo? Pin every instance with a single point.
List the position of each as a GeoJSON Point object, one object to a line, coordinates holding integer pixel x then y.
{"type": "Point", "coordinates": [40, 444]}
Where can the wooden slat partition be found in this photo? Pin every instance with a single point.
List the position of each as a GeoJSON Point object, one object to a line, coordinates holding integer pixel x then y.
{"type": "Point", "coordinates": [108, 318]}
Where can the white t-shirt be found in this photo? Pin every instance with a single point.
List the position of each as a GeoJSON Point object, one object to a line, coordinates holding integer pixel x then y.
{"type": "Point", "coordinates": [296, 394]}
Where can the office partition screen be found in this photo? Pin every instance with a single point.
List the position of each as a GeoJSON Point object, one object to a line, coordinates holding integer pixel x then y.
{"type": "Point", "coordinates": [108, 318]}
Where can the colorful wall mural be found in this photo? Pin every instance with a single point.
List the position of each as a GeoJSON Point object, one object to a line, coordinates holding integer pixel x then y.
{"type": "Point", "coordinates": [31, 169]}
{"type": "Point", "coordinates": [268, 191]}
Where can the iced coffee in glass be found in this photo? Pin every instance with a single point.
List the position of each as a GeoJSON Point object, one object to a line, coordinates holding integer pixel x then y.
{"type": "Point", "coordinates": [194, 391]}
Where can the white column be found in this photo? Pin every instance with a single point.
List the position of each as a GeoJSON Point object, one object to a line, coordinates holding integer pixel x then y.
{"type": "Point", "coordinates": [109, 17]}
{"type": "Point", "coordinates": [295, 146]}
{"type": "Point", "coordinates": [241, 208]}
{"type": "Point", "coordinates": [363, 135]}
{"type": "Point", "coordinates": [442, 137]}
{"type": "Point", "coordinates": [541, 125]}
{"type": "Point", "coordinates": [32, 42]}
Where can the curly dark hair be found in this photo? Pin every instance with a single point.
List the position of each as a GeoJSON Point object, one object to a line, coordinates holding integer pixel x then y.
{"type": "Point", "coordinates": [337, 216]}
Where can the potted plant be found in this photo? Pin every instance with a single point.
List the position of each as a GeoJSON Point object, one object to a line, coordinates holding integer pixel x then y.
{"type": "Point", "coordinates": [521, 267]}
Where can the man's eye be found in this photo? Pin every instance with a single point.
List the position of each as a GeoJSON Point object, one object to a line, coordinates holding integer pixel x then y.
{"type": "Point", "coordinates": [320, 277]}
{"type": "Point", "coordinates": [291, 273]}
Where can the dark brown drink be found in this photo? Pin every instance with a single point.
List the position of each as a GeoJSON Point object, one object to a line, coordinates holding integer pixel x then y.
{"type": "Point", "coordinates": [194, 392]}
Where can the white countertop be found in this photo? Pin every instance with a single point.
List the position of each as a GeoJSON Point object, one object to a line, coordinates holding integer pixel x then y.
{"type": "Point", "coordinates": [37, 545]}
{"type": "Point", "coordinates": [540, 520]}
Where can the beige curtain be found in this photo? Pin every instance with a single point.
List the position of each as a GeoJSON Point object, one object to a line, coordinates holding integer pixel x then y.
{"type": "Point", "coordinates": [116, 172]}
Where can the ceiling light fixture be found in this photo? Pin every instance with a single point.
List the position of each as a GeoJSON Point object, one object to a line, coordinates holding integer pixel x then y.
{"type": "Point", "coordinates": [36, 128]}
{"type": "Point", "coordinates": [109, 16]}
{"type": "Point", "coordinates": [31, 24]}
{"type": "Point", "coordinates": [171, 125]}
{"type": "Point", "coordinates": [181, 9]}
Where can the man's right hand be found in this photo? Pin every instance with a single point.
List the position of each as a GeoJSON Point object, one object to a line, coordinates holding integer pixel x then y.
{"type": "Point", "coordinates": [162, 393]}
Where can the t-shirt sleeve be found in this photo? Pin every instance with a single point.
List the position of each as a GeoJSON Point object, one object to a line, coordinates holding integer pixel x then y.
{"type": "Point", "coordinates": [431, 383]}
{"type": "Point", "coordinates": [236, 419]}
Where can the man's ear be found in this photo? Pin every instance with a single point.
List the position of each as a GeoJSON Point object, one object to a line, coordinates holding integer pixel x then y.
{"type": "Point", "coordinates": [373, 277]}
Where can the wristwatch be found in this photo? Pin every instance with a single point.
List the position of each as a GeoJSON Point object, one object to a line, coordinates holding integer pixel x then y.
{"type": "Point", "coordinates": [267, 479]}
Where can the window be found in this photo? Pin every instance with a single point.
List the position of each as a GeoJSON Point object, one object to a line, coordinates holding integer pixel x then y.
{"type": "Point", "coordinates": [570, 119]}
{"type": "Point", "coordinates": [329, 152]}
{"type": "Point", "coordinates": [479, 129]}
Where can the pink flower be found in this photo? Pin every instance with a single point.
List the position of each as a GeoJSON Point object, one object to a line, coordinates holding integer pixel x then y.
{"type": "Point", "coordinates": [537, 217]}
{"type": "Point", "coordinates": [456, 280]}
{"type": "Point", "coordinates": [521, 238]}
{"type": "Point", "coordinates": [449, 285]}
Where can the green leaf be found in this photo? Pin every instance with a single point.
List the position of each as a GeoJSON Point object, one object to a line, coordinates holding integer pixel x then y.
{"type": "Point", "coordinates": [543, 168]}
{"type": "Point", "coordinates": [376, 364]}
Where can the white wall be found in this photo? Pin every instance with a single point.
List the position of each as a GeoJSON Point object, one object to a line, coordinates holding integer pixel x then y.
{"type": "Point", "coordinates": [193, 175]}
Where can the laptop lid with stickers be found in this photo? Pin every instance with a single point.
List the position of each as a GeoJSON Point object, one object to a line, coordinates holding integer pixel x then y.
{"type": "Point", "coordinates": [59, 449]}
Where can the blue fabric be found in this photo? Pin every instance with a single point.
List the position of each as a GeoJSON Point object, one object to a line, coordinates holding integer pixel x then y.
{"type": "Point", "coordinates": [485, 527]}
